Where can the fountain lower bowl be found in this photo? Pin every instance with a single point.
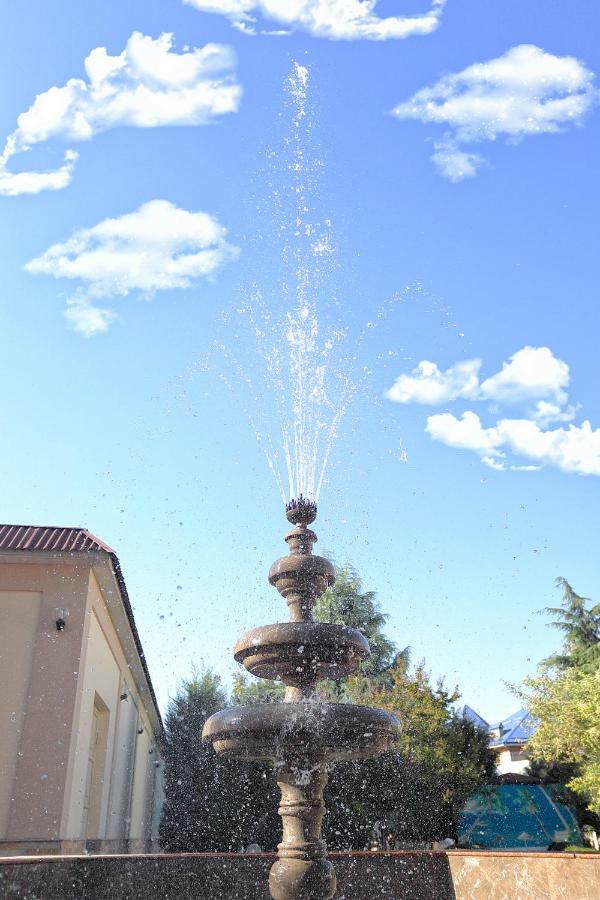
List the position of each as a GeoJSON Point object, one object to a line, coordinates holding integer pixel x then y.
{"type": "Point", "coordinates": [330, 731]}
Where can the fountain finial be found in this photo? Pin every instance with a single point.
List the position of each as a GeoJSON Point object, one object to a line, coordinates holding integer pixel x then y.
{"type": "Point", "coordinates": [301, 510]}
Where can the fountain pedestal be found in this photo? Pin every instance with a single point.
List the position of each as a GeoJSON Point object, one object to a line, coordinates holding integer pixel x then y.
{"type": "Point", "coordinates": [302, 869]}
{"type": "Point", "coordinates": [303, 734]}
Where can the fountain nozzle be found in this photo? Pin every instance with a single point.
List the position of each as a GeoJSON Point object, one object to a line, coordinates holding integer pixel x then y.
{"type": "Point", "coordinates": [301, 511]}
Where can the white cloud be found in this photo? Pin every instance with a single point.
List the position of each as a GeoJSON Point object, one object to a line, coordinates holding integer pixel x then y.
{"type": "Point", "coordinates": [526, 91]}
{"type": "Point", "coordinates": [147, 85]}
{"type": "Point", "coordinates": [87, 319]}
{"type": "Point", "coordinates": [532, 373]}
{"type": "Point", "coordinates": [532, 377]}
{"type": "Point", "coordinates": [575, 449]}
{"type": "Point", "coordinates": [427, 384]}
{"type": "Point", "coordinates": [333, 19]}
{"type": "Point", "coordinates": [572, 449]}
{"type": "Point", "coordinates": [454, 163]}
{"type": "Point", "coordinates": [14, 183]}
{"type": "Point", "coordinates": [466, 433]}
{"type": "Point", "coordinates": [494, 463]}
{"type": "Point", "coordinates": [157, 247]}
{"type": "Point", "coordinates": [545, 413]}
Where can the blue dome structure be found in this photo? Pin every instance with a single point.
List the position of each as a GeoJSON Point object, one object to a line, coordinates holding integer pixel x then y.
{"type": "Point", "coordinates": [517, 814]}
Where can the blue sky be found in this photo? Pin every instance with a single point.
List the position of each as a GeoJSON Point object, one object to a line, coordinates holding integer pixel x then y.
{"type": "Point", "coordinates": [112, 418]}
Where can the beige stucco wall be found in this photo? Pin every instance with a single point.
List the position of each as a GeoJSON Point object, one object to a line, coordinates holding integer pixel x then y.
{"type": "Point", "coordinates": [505, 762]}
{"type": "Point", "coordinates": [19, 614]}
{"type": "Point", "coordinates": [54, 680]}
{"type": "Point", "coordinates": [36, 792]}
{"type": "Point", "coordinates": [101, 676]}
{"type": "Point", "coordinates": [139, 805]}
{"type": "Point", "coordinates": [120, 796]}
{"type": "Point", "coordinates": [107, 674]}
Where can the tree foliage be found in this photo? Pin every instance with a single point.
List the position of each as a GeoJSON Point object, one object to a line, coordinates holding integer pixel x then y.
{"type": "Point", "coordinates": [567, 705]}
{"type": "Point", "coordinates": [580, 626]}
{"type": "Point", "coordinates": [247, 689]}
{"type": "Point", "coordinates": [565, 698]}
{"type": "Point", "coordinates": [415, 792]}
{"type": "Point", "coordinates": [211, 803]}
{"type": "Point", "coordinates": [345, 603]}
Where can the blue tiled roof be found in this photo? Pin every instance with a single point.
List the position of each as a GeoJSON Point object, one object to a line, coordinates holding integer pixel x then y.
{"type": "Point", "coordinates": [467, 712]}
{"type": "Point", "coordinates": [516, 729]}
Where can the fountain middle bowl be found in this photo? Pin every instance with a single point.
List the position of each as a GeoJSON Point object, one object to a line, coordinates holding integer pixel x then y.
{"type": "Point", "coordinates": [314, 728]}
{"type": "Point", "coordinates": [297, 651]}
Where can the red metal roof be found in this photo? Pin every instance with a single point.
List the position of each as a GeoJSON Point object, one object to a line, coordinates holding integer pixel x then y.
{"type": "Point", "coordinates": [49, 539]}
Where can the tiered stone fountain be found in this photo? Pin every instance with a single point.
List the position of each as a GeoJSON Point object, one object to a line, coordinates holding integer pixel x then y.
{"type": "Point", "coordinates": [303, 734]}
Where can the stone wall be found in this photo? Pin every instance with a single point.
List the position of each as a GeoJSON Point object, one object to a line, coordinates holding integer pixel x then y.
{"type": "Point", "coordinates": [361, 876]}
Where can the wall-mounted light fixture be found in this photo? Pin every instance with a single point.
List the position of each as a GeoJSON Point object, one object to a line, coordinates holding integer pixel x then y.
{"type": "Point", "coordinates": [61, 619]}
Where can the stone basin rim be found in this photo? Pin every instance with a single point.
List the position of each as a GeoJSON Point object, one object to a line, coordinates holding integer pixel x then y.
{"type": "Point", "coordinates": [331, 730]}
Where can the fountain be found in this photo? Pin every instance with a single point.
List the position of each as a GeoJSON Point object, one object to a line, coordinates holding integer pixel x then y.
{"type": "Point", "coordinates": [302, 735]}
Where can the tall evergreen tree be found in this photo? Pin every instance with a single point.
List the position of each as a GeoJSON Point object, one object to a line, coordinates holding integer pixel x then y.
{"type": "Point", "coordinates": [346, 603]}
{"type": "Point", "coordinates": [211, 803]}
{"type": "Point", "coordinates": [564, 699]}
{"type": "Point", "coordinates": [580, 626]}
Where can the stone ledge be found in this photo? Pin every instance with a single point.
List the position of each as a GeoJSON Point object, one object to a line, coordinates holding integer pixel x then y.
{"type": "Point", "coordinates": [411, 875]}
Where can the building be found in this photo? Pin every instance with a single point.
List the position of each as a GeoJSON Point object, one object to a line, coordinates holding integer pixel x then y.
{"type": "Point", "coordinates": [508, 739]}
{"type": "Point", "coordinates": [80, 730]}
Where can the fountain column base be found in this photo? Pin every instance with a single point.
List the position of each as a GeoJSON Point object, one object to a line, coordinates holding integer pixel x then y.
{"type": "Point", "coordinates": [302, 872]}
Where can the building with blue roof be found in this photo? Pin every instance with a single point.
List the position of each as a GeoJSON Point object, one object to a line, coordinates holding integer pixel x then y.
{"type": "Point", "coordinates": [508, 739]}
{"type": "Point", "coordinates": [515, 811]}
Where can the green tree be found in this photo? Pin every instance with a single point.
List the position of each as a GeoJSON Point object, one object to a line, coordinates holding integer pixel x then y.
{"type": "Point", "coordinates": [567, 705]}
{"type": "Point", "coordinates": [211, 803]}
{"type": "Point", "coordinates": [345, 603]}
{"type": "Point", "coordinates": [564, 697]}
{"type": "Point", "coordinates": [417, 791]}
{"type": "Point", "coordinates": [247, 689]}
{"type": "Point", "coordinates": [580, 626]}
